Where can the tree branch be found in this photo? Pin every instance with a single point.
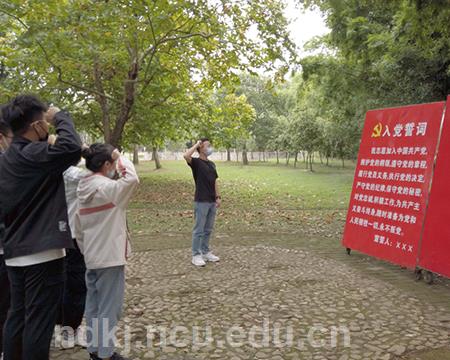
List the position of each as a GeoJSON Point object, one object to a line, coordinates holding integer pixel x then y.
{"type": "Point", "coordinates": [101, 99]}
{"type": "Point", "coordinates": [129, 96]}
{"type": "Point", "coordinates": [187, 36]}
{"type": "Point", "coordinates": [53, 64]}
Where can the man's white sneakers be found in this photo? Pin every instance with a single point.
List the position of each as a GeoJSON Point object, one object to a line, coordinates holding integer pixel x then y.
{"type": "Point", "coordinates": [210, 257]}
{"type": "Point", "coordinates": [197, 260]}
{"type": "Point", "coordinates": [201, 260]}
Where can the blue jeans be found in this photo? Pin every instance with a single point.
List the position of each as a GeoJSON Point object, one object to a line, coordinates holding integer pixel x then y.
{"type": "Point", "coordinates": [104, 301]}
{"type": "Point", "coordinates": [205, 216]}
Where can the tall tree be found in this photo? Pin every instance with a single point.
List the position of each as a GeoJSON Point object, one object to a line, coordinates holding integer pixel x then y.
{"type": "Point", "coordinates": [229, 121]}
{"type": "Point", "coordinates": [399, 51]}
{"type": "Point", "coordinates": [116, 57]}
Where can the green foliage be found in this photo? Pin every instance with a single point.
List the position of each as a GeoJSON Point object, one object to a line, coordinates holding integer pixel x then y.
{"type": "Point", "coordinates": [262, 95]}
{"type": "Point", "coordinates": [228, 122]}
{"type": "Point", "coordinates": [260, 197]}
{"type": "Point", "coordinates": [379, 54]}
{"type": "Point", "coordinates": [124, 67]}
{"type": "Point", "coordinates": [397, 51]}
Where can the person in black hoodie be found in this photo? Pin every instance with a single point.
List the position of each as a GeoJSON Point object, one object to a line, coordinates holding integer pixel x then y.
{"type": "Point", "coordinates": [5, 139]}
{"type": "Point", "coordinates": [34, 209]}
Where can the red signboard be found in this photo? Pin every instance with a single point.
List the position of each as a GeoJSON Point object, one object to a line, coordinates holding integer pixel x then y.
{"type": "Point", "coordinates": [435, 249]}
{"type": "Point", "coordinates": [392, 178]}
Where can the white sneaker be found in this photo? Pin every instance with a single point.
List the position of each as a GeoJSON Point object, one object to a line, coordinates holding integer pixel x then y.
{"type": "Point", "coordinates": [80, 337]}
{"type": "Point", "coordinates": [197, 260]}
{"type": "Point", "coordinates": [67, 339]}
{"type": "Point", "coordinates": [56, 338]}
{"type": "Point", "coordinates": [210, 257]}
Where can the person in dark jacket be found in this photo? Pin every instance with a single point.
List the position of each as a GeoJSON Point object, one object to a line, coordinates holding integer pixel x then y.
{"type": "Point", "coordinates": [5, 139]}
{"type": "Point", "coordinates": [33, 203]}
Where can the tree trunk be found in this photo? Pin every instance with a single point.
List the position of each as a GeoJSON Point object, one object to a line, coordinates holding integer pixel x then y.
{"type": "Point", "coordinates": [136, 155]}
{"type": "Point", "coordinates": [228, 155]}
{"type": "Point", "coordinates": [311, 162]}
{"type": "Point", "coordinates": [244, 156]}
{"type": "Point", "coordinates": [103, 102]}
{"type": "Point", "coordinates": [237, 155]}
{"type": "Point", "coordinates": [328, 161]}
{"type": "Point", "coordinates": [343, 162]}
{"type": "Point", "coordinates": [288, 155]}
{"type": "Point", "coordinates": [156, 158]}
{"type": "Point", "coordinates": [296, 159]}
{"type": "Point", "coordinates": [129, 92]}
{"type": "Point", "coordinates": [278, 158]}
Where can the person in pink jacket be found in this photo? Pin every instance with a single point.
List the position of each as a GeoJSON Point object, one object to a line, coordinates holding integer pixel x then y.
{"type": "Point", "coordinates": [101, 233]}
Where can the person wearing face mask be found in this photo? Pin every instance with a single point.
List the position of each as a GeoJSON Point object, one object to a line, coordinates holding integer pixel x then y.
{"type": "Point", "coordinates": [5, 140]}
{"type": "Point", "coordinates": [34, 211]}
{"type": "Point", "coordinates": [207, 200]}
{"type": "Point", "coordinates": [102, 236]}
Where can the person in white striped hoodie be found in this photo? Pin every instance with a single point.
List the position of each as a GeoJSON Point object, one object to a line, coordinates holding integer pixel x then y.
{"type": "Point", "coordinates": [101, 233]}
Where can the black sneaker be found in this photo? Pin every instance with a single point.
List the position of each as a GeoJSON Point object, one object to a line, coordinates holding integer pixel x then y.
{"type": "Point", "coordinates": [93, 356]}
{"type": "Point", "coordinates": [117, 356]}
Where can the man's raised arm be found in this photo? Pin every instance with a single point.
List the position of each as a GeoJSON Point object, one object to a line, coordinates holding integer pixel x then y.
{"type": "Point", "coordinates": [188, 154]}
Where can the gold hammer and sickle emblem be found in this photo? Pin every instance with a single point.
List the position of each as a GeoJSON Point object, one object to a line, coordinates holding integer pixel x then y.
{"type": "Point", "coordinates": [377, 130]}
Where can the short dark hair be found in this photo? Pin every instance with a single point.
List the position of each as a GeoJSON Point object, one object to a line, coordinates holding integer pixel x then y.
{"type": "Point", "coordinates": [21, 111]}
{"type": "Point", "coordinates": [4, 128]}
{"type": "Point", "coordinates": [96, 155]}
{"type": "Point", "coordinates": [203, 140]}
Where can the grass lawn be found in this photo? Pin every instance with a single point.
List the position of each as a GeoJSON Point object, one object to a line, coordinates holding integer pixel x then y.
{"type": "Point", "coordinates": [259, 198]}
{"type": "Point", "coordinates": [266, 204]}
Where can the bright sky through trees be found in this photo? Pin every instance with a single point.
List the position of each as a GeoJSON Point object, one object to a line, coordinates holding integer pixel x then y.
{"type": "Point", "coordinates": [305, 24]}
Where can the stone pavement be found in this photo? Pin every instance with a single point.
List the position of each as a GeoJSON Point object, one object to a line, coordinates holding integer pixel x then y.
{"type": "Point", "coordinates": [263, 302]}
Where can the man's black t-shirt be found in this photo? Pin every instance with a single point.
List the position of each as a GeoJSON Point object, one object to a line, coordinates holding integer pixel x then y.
{"type": "Point", "coordinates": [205, 176]}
